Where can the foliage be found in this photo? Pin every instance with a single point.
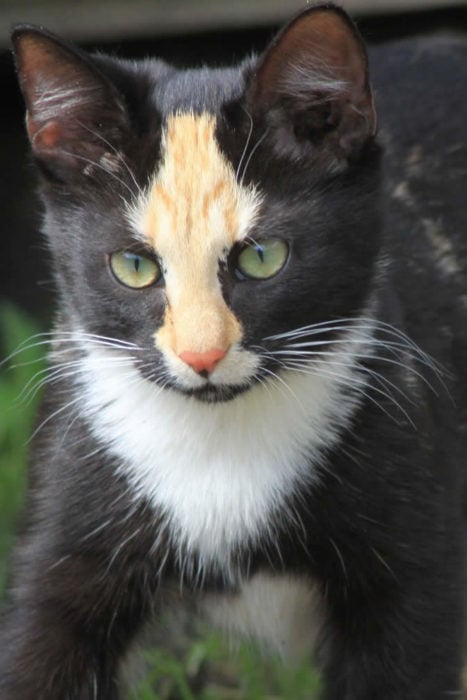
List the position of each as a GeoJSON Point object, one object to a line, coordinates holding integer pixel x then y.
{"type": "Point", "coordinates": [210, 671]}
{"type": "Point", "coordinates": [19, 372]}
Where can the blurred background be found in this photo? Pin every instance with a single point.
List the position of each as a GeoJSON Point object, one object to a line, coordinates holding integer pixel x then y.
{"type": "Point", "coordinates": [184, 32]}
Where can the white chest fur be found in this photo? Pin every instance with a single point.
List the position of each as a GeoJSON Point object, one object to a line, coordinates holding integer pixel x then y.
{"type": "Point", "coordinates": [219, 472]}
{"type": "Point", "coordinates": [282, 613]}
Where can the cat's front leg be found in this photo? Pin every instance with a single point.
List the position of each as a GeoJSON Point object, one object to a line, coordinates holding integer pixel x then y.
{"type": "Point", "coordinates": [44, 661]}
{"type": "Point", "coordinates": [68, 627]}
{"type": "Point", "coordinates": [388, 649]}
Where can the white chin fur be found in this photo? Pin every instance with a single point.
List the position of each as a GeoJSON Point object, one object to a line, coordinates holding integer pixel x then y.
{"type": "Point", "coordinates": [220, 472]}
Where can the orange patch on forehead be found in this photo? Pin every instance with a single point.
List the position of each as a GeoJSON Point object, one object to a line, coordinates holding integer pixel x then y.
{"type": "Point", "coordinates": [210, 204]}
{"type": "Point", "coordinates": [192, 214]}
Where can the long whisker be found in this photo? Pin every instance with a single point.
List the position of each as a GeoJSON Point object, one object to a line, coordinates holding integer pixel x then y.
{"type": "Point", "coordinates": [253, 151]}
{"type": "Point", "coordinates": [24, 346]}
{"type": "Point", "coordinates": [72, 337]}
{"type": "Point", "coordinates": [360, 386]}
{"type": "Point", "coordinates": [73, 402]}
{"type": "Point", "coordinates": [100, 166]}
{"type": "Point", "coordinates": [308, 364]}
{"type": "Point", "coordinates": [56, 371]}
{"type": "Point", "coordinates": [360, 324]}
{"type": "Point", "coordinates": [263, 381]}
{"type": "Point", "coordinates": [63, 371]}
{"type": "Point", "coordinates": [247, 143]}
{"type": "Point", "coordinates": [356, 323]}
{"type": "Point", "coordinates": [119, 155]}
{"type": "Point", "coordinates": [282, 384]}
{"type": "Point", "coordinates": [130, 380]}
{"type": "Point", "coordinates": [304, 364]}
{"type": "Point", "coordinates": [391, 345]}
{"type": "Point", "coordinates": [361, 356]}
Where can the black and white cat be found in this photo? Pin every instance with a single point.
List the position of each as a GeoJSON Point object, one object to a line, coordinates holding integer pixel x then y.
{"type": "Point", "coordinates": [258, 374]}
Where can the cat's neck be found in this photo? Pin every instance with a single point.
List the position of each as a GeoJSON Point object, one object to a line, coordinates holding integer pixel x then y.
{"type": "Point", "coordinates": [241, 459]}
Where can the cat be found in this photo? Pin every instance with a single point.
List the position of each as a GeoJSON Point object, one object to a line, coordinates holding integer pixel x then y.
{"type": "Point", "coordinates": [258, 374]}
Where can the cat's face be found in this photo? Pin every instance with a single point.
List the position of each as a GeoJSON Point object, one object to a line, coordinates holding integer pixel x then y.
{"type": "Point", "coordinates": [209, 220]}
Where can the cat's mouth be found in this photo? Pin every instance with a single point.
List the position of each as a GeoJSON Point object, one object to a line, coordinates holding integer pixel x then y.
{"type": "Point", "coordinates": [211, 393]}
{"type": "Point", "coordinates": [205, 390]}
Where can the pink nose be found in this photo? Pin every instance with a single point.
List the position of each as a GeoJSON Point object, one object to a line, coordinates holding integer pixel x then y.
{"type": "Point", "coordinates": [202, 361]}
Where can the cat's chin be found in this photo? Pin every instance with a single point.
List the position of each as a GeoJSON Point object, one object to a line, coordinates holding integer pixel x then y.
{"type": "Point", "coordinates": [209, 393]}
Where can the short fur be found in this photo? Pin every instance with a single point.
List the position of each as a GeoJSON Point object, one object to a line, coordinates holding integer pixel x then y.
{"type": "Point", "coordinates": [309, 488]}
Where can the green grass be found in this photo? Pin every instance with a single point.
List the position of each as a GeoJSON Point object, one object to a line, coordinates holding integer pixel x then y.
{"type": "Point", "coordinates": [202, 669]}
{"type": "Point", "coordinates": [244, 674]}
{"type": "Point", "coordinates": [17, 412]}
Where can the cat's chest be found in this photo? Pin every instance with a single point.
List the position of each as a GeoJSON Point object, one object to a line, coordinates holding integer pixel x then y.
{"type": "Point", "coordinates": [282, 613]}
{"type": "Point", "coordinates": [221, 473]}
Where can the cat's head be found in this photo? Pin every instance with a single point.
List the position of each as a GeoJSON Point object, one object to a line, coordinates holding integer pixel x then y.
{"type": "Point", "coordinates": [208, 217]}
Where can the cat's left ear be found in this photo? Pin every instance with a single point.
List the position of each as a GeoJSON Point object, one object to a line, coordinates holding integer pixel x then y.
{"type": "Point", "coordinates": [311, 88]}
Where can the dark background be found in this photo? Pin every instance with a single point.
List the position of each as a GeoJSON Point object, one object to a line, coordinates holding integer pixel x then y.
{"type": "Point", "coordinates": [24, 277]}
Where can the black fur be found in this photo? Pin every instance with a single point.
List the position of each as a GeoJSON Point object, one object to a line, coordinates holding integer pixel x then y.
{"type": "Point", "coordinates": [382, 219]}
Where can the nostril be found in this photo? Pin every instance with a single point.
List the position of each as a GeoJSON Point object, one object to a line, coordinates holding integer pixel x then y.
{"type": "Point", "coordinates": [203, 362]}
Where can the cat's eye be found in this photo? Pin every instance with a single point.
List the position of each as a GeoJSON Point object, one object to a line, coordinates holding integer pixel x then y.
{"type": "Point", "coordinates": [135, 271]}
{"type": "Point", "coordinates": [262, 259]}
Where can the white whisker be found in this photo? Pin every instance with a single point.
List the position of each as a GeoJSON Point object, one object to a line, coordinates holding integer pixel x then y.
{"type": "Point", "coordinates": [358, 385]}
{"type": "Point", "coordinates": [360, 356]}
{"type": "Point", "coordinates": [53, 415]}
{"type": "Point", "coordinates": [361, 324]}
{"type": "Point", "coordinates": [247, 143]}
{"type": "Point", "coordinates": [119, 155]}
{"type": "Point", "coordinates": [71, 337]}
{"type": "Point", "coordinates": [98, 165]}
{"type": "Point", "coordinates": [378, 376]}
{"type": "Point", "coordinates": [281, 383]}
{"type": "Point", "coordinates": [253, 151]}
{"type": "Point", "coordinates": [61, 371]}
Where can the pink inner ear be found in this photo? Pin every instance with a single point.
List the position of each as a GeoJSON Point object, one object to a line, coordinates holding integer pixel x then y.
{"type": "Point", "coordinates": [325, 41]}
{"type": "Point", "coordinates": [72, 109]}
{"type": "Point", "coordinates": [312, 87]}
{"type": "Point", "coordinates": [46, 136]}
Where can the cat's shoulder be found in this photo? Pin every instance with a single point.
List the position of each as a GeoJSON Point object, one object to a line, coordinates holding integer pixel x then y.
{"type": "Point", "coordinates": [419, 85]}
{"type": "Point", "coordinates": [421, 101]}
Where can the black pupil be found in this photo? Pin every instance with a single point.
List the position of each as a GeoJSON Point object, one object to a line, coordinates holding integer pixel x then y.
{"type": "Point", "coordinates": [137, 263]}
{"type": "Point", "coordinates": [260, 252]}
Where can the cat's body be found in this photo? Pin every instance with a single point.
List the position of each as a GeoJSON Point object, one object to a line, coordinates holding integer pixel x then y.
{"type": "Point", "coordinates": [317, 504]}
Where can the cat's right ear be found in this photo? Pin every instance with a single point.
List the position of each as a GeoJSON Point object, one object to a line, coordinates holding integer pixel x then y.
{"type": "Point", "coordinates": [74, 114]}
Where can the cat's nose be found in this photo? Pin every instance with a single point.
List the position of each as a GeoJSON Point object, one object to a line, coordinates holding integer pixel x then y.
{"type": "Point", "coordinates": [202, 362]}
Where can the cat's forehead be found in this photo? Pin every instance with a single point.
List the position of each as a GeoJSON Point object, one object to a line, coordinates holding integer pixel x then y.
{"type": "Point", "coordinates": [192, 213]}
{"type": "Point", "coordinates": [198, 90]}
{"type": "Point", "coordinates": [194, 201]}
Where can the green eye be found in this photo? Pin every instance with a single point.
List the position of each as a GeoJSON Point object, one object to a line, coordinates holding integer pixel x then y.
{"type": "Point", "coordinates": [133, 270]}
{"type": "Point", "coordinates": [261, 260]}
